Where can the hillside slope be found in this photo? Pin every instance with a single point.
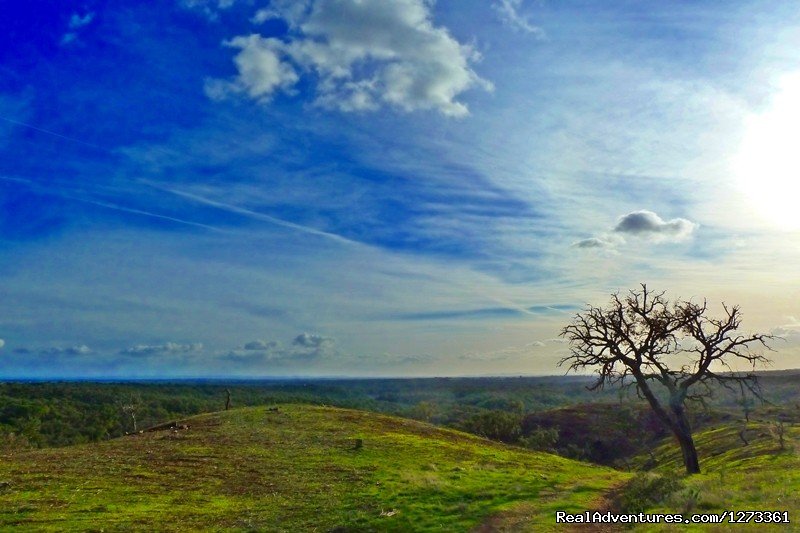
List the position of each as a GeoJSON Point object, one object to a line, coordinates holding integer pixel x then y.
{"type": "Point", "coordinates": [297, 469]}
{"type": "Point", "coordinates": [759, 476]}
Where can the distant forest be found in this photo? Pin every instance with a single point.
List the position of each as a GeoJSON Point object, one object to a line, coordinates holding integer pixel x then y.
{"type": "Point", "coordinates": [537, 412]}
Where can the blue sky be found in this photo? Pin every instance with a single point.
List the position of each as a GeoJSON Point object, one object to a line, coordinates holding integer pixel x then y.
{"type": "Point", "coordinates": [384, 187]}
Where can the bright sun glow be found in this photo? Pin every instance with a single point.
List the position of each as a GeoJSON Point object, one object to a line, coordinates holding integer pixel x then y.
{"type": "Point", "coordinates": [768, 164]}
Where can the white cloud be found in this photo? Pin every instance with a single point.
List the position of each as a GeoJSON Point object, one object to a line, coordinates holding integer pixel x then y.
{"type": "Point", "coordinates": [605, 244]}
{"type": "Point", "coordinates": [76, 23]}
{"type": "Point", "coordinates": [305, 347]}
{"type": "Point", "coordinates": [649, 225]}
{"type": "Point", "coordinates": [291, 11]}
{"type": "Point", "coordinates": [210, 8]}
{"type": "Point", "coordinates": [2, 343]}
{"type": "Point", "coordinates": [166, 348]}
{"type": "Point", "coordinates": [508, 11]}
{"type": "Point", "coordinates": [78, 349]}
{"type": "Point", "coordinates": [390, 359]}
{"type": "Point", "coordinates": [308, 340]}
{"type": "Point", "coordinates": [510, 352]}
{"type": "Point", "coordinates": [593, 242]}
{"type": "Point", "coordinates": [261, 71]}
{"type": "Point", "coordinates": [641, 224]}
{"type": "Point", "coordinates": [364, 53]}
{"type": "Point", "coordinates": [788, 331]}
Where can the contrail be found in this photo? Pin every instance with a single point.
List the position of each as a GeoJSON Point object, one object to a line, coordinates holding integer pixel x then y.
{"type": "Point", "coordinates": [116, 207]}
{"type": "Point", "coordinates": [256, 215]}
{"type": "Point", "coordinates": [311, 231]}
{"type": "Point", "coordinates": [53, 133]}
{"type": "Point", "coordinates": [144, 213]}
{"type": "Point", "coordinates": [221, 205]}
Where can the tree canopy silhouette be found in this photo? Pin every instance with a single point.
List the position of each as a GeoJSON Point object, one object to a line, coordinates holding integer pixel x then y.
{"type": "Point", "coordinates": [670, 351]}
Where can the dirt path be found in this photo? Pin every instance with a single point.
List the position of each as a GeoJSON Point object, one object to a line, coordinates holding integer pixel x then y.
{"type": "Point", "coordinates": [608, 502]}
{"type": "Point", "coordinates": [521, 517]}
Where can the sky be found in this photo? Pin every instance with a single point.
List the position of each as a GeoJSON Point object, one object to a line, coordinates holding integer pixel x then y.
{"type": "Point", "coordinates": [254, 188]}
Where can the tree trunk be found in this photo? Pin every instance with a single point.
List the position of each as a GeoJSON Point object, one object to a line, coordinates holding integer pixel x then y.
{"type": "Point", "coordinates": [678, 423]}
{"type": "Point", "coordinates": [683, 433]}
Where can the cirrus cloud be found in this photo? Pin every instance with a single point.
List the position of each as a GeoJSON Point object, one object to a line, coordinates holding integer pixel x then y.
{"type": "Point", "coordinates": [508, 11]}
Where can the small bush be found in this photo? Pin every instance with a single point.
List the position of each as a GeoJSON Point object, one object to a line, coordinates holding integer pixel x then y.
{"type": "Point", "coordinates": [691, 500]}
{"type": "Point", "coordinates": [12, 442]}
{"type": "Point", "coordinates": [541, 439]}
{"type": "Point", "coordinates": [646, 490]}
{"type": "Point", "coordinates": [495, 425]}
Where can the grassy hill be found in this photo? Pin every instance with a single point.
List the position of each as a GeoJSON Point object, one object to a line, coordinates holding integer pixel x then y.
{"type": "Point", "coordinates": [758, 476]}
{"type": "Point", "coordinates": [298, 469]}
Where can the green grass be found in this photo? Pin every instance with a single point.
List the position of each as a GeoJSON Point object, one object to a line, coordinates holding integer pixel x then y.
{"type": "Point", "coordinates": [294, 470]}
{"type": "Point", "coordinates": [757, 477]}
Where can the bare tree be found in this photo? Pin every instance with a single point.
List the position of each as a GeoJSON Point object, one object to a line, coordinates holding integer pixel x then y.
{"type": "Point", "coordinates": [671, 353]}
{"type": "Point", "coordinates": [130, 406]}
{"type": "Point", "coordinates": [778, 431]}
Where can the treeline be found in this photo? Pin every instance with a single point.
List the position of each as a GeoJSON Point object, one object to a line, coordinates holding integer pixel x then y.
{"type": "Point", "coordinates": [617, 427]}
{"type": "Point", "coordinates": [523, 410]}
{"type": "Point", "coordinates": [64, 413]}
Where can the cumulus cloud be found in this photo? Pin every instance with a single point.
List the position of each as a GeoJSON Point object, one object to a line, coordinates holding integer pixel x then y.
{"type": "Point", "coordinates": [508, 11]}
{"type": "Point", "coordinates": [304, 347]}
{"type": "Point", "coordinates": [604, 244]}
{"type": "Point", "coordinates": [363, 53]}
{"type": "Point", "coordinates": [246, 357]}
{"type": "Point", "coordinates": [290, 11]}
{"type": "Point", "coordinates": [649, 225]}
{"type": "Point", "coordinates": [2, 343]}
{"type": "Point", "coordinates": [308, 340]}
{"type": "Point", "coordinates": [594, 242]}
{"type": "Point", "coordinates": [641, 224]}
{"type": "Point", "coordinates": [140, 350]}
{"type": "Point", "coordinates": [261, 345]}
{"type": "Point", "coordinates": [788, 331]}
{"type": "Point", "coordinates": [81, 349]}
{"type": "Point", "coordinates": [261, 71]}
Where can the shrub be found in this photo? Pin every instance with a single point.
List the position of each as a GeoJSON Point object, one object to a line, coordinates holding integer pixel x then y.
{"type": "Point", "coordinates": [646, 490]}
{"type": "Point", "coordinates": [10, 442]}
{"type": "Point", "coordinates": [495, 425]}
{"type": "Point", "coordinates": [541, 439]}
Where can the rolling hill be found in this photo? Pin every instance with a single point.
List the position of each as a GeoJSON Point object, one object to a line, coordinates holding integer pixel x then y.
{"type": "Point", "coordinates": [297, 468]}
{"type": "Point", "coordinates": [759, 476]}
